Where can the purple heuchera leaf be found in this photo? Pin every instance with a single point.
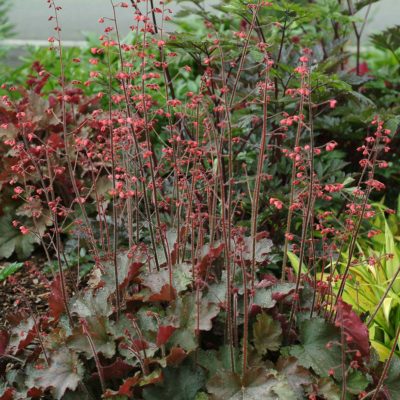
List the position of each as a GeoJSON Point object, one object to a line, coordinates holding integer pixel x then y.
{"type": "Point", "coordinates": [355, 330]}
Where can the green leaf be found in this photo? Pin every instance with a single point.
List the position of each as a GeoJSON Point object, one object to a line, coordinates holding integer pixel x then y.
{"type": "Point", "coordinates": [19, 334]}
{"type": "Point", "coordinates": [11, 240]}
{"type": "Point", "coordinates": [264, 296]}
{"type": "Point", "coordinates": [389, 39]}
{"type": "Point", "coordinates": [201, 396]}
{"type": "Point", "coordinates": [92, 304]}
{"type": "Point", "coordinates": [392, 263]}
{"type": "Point", "coordinates": [299, 378]}
{"type": "Point", "coordinates": [392, 382]}
{"type": "Point", "coordinates": [382, 350]}
{"type": "Point", "coordinates": [99, 329]}
{"type": "Point", "coordinates": [156, 280]}
{"type": "Point", "coordinates": [215, 361]}
{"type": "Point", "coordinates": [65, 372]}
{"type": "Point", "coordinates": [267, 334]}
{"type": "Point", "coordinates": [124, 265]}
{"type": "Point", "coordinates": [262, 249]}
{"type": "Point", "coordinates": [9, 269]}
{"type": "Point", "coordinates": [315, 334]}
{"type": "Point", "coordinates": [294, 260]}
{"type": "Point", "coordinates": [217, 291]}
{"type": "Point", "coordinates": [393, 124]}
{"type": "Point", "coordinates": [357, 382]}
{"type": "Point", "coordinates": [181, 383]}
{"type": "Point", "coordinates": [364, 3]}
{"type": "Point", "coordinates": [360, 99]}
{"type": "Point", "coordinates": [327, 389]}
{"type": "Point", "coordinates": [258, 383]}
{"type": "Point", "coordinates": [189, 317]}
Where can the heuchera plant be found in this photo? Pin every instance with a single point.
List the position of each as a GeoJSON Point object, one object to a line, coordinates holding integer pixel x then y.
{"type": "Point", "coordinates": [214, 236]}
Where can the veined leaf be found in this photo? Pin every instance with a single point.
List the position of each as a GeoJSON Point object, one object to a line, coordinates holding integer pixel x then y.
{"type": "Point", "coordinates": [258, 383]}
{"type": "Point", "coordinates": [65, 372]}
{"type": "Point", "coordinates": [181, 383]}
{"type": "Point", "coordinates": [267, 334]}
{"type": "Point", "coordinates": [313, 353]}
{"type": "Point", "coordinates": [11, 240]}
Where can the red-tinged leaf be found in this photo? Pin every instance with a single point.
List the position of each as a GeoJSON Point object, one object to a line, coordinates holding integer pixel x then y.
{"type": "Point", "coordinates": [176, 356]}
{"type": "Point", "coordinates": [282, 290]}
{"type": "Point", "coordinates": [35, 393]}
{"type": "Point", "coordinates": [262, 235]}
{"type": "Point", "coordinates": [211, 254]}
{"type": "Point", "coordinates": [155, 281]}
{"type": "Point", "coordinates": [21, 336]}
{"type": "Point", "coordinates": [28, 339]}
{"type": "Point", "coordinates": [164, 332]}
{"type": "Point", "coordinates": [4, 339]}
{"type": "Point", "coordinates": [154, 377]}
{"type": "Point", "coordinates": [55, 299]}
{"type": "Point", "coordinates": [202, 265]}
{"type": "Point", "coordinates": [84, 107]}
{"type": "Point", "coordinates": [8, 394]}
{"type": "Point", "coordinates": [125, 389]}
{"type": "Point", "coordinates": [363, 69]}
{"type": "Point", "coordinates": [134, 271]}
{"type": "Point", "coordinates": [216, 251]}
{"type": "Point", "coordinates": [139, 344]}
{"type": "Point", "coordinates": [55, 141]}
{"type": "Point", "coordinates": [167, 293]}
{"type": "Point", "coordinates": [355, 330]}
{"type": "Point", "coordinates": [269, 280]}
{"type": "Point", "coordinates": [254, 310]}
{"type": "Point", "coordinates": [175, 249]}
{"type": "Point", "coordinates": [117, 370]}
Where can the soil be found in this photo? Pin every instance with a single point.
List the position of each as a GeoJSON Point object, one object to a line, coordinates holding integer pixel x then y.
{"type": "Point", "coordinates": [25, 290]}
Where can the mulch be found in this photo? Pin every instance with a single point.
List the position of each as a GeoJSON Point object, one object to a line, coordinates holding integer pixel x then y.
{"type": "Point", "coordinates": [25, 291]}
{"type": "Point", "coordinates": [28, 290]}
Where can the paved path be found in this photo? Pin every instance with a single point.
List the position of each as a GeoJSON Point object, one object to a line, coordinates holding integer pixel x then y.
{"type": "Point", "coordinates": [76, 18]}
{"type": "Point", "coordinates": [80, 16]}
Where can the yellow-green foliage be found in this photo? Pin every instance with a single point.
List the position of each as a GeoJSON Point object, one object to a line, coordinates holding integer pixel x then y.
{"type": "Point", "coordinates": [375, 269]}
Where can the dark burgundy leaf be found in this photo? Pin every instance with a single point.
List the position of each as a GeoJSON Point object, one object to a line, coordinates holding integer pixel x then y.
{"type": "Point", "coordinates": [8, 394]}
{"type": "Point", "coordinates": [35, 393]}
{"type": "Point", "coordinates": [355, 330]}
{"type": "Point", "coordinates": [4, 339]}
{"type": "Point", "coordinates": [117, 370]}
{"type": "Point", "coordinates": [55, 299]}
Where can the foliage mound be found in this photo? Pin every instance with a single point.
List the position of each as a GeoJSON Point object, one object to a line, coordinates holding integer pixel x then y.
{"type": "Point", "coordinates": [205, 208]}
